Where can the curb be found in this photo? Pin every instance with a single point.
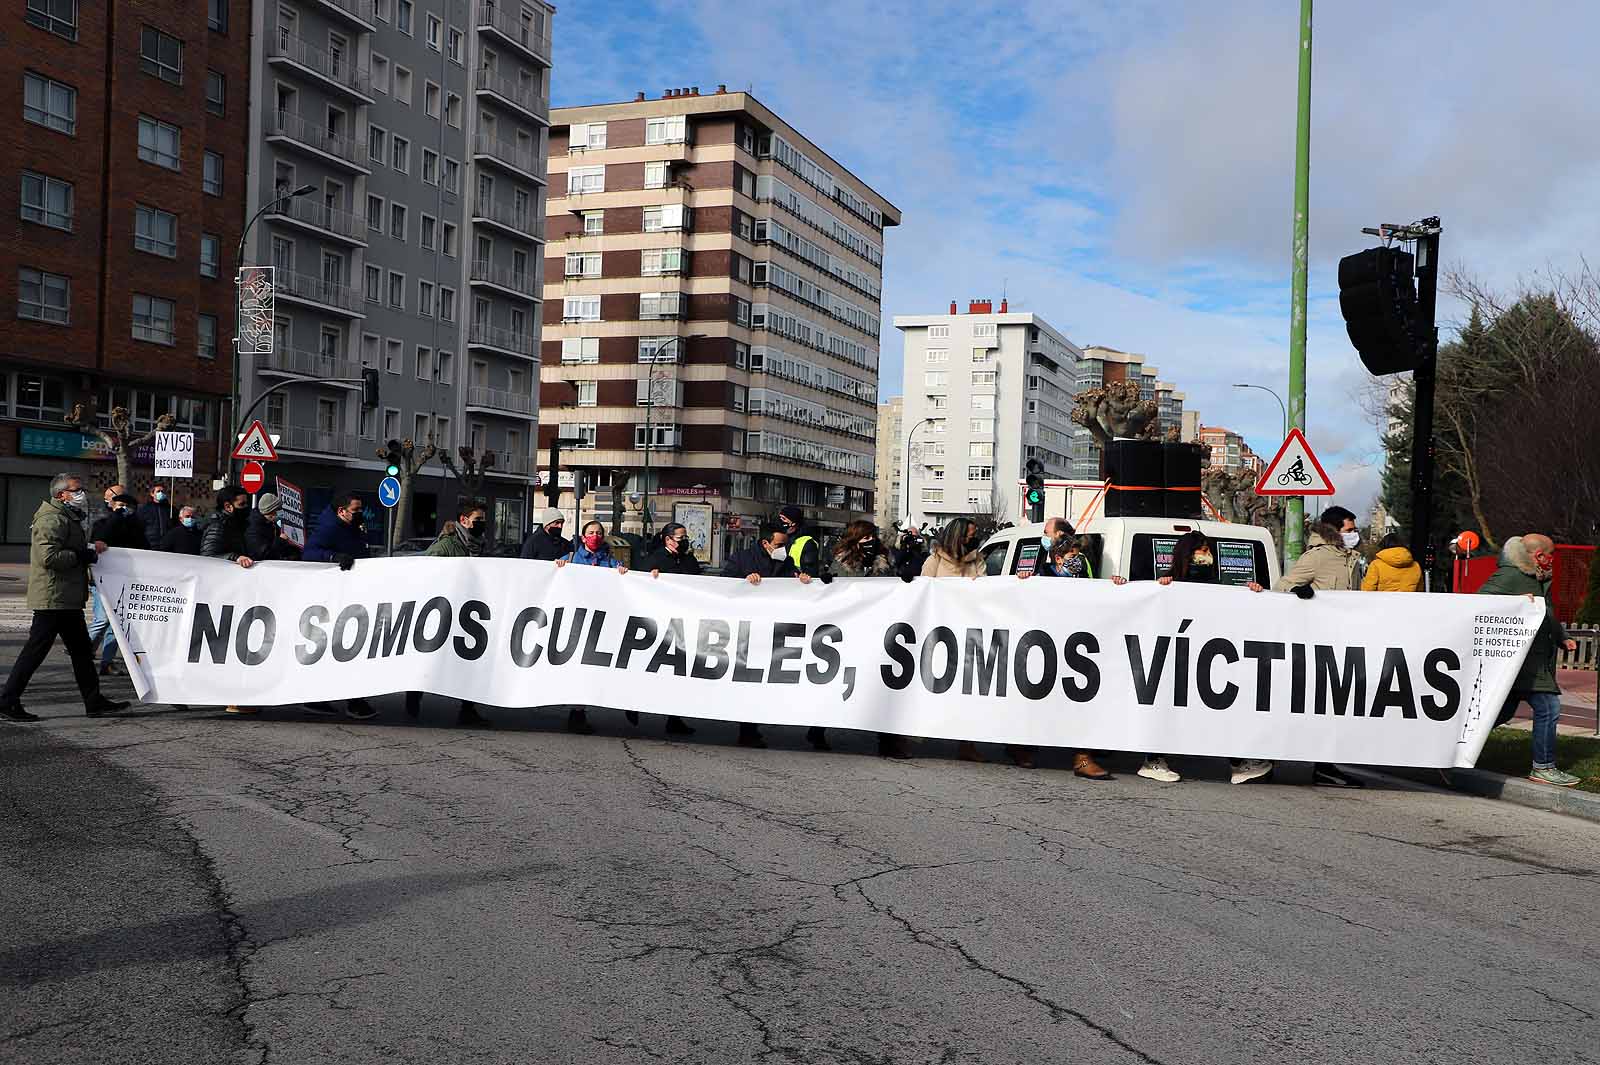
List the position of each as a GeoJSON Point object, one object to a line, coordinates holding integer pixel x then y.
{"type": "Point", "coordinates": [1486, 785]}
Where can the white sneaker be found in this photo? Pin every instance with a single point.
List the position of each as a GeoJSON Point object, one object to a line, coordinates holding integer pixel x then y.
{"type": "Point", "coordinates": [1156, 769]}
{"type": "Point", "coordinates": [1250, 769]}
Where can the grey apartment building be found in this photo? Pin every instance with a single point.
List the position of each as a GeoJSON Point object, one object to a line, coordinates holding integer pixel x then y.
{"type": "Point", "coordinates": [421, 127]}
{"type": "Point", "coordinates": [712, 311]}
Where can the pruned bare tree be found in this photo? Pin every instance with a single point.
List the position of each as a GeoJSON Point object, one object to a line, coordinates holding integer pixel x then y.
{"type": "Point", "coordinates": [120, 436]}
{"type": "Point", "coordinates": [1233, 494]}
{"type": "Point", "coordinates": [412, 459]}
{"type": "Point", "coordinates": [473, 470]}
{"type": "Point", "coordinates": [1115, 411]}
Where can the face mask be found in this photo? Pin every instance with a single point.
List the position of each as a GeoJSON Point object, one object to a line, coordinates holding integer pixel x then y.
{"type": "Point", "coordinates": [592, 541]}
{"type": "Point", "coordinates": [161, 497]}
{"type": "Point", "coordinates": [1351, 539]}
{"type": "Point", "coordinates": [1201, 558]}
{"type": "Point", "coordinates": [118, 508]}
{"type": "Point", "coordinates": [78, 498]}
{"type": "Point", "coordinates": [469, 527]}
{"type": "Point", "coordinates": [188, 523]}
{"type": "Point", "coordinates": [778, 554]}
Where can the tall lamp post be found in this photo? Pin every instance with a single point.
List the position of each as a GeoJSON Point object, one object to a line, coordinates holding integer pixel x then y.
{"type": "Point", "coordinates": [907, 482]}
{"type": "Point", "coordinates": [645, 521]}
{"type": "Point", "coordinates": [1281, 407]}
{"type": "Point", "coordinates": [238, 267]}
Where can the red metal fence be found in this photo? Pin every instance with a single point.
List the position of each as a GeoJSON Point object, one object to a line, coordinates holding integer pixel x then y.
{"type": "Point", "coordinates": [1568, 586]}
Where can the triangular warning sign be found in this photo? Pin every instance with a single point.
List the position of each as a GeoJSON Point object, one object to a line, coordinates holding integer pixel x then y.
{"type": "Point", "coordinates": [256, 444]}
{"type": "Point", "coordinates": [1295, 471]}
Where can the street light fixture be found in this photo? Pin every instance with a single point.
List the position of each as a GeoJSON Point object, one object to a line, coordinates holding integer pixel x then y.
{"type": "Point", "coordinates": [645, 521]}
{"type": "Point", "coordinates": [907, 482]}
{"type": "Point", "coordinates": [1277, 397]}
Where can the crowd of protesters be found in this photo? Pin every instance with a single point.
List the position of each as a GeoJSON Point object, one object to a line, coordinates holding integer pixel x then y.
{"type": "Point", "coordinates": [67, 539]}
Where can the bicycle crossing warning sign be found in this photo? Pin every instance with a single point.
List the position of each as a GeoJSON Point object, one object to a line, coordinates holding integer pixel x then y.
{"type": "Point", "coordinates": [1295, 471]}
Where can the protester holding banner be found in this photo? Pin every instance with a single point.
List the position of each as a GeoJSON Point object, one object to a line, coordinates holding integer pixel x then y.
{"type": "Point", "coordinates": [224, 535]}
{"type": "Point", "coordinates": [462, 538]}
{"type": "Point", "coordinates": [157, 516]}
{"type": "Point", "coordinates": [118, 527]}
{"type": "Point", "coordinates": [264, 537]}
{"type": "Point", "coordinates": [58, 581]}
{"type": "Point", "coordinates": [184, 537]}
{"type": "Point", "coordinates": [955, 554]}
{"type": "Point", "coordinates": [860, 553]}
{"type": "Point", "coordinates": [767, 557]}
{"type": "Point", "coordinates": [592, 550]}
{"type": "Point", "coordinates": [545, 543]}
{"type": "Point", "coordinates": [674, 554]}
{"type": "Point", "coordinates": [805, 551]}
{"type": "Point", "coordinates": [340, 534]}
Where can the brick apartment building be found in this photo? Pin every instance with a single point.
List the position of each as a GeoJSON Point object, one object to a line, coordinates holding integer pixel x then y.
{"type": "Point", "coordinates": [124, 178]}
{"type": "Point", "coordinates": [1227, 450]}
{"type": "Point", "coordinates": [1101, 366]}
{"type": "Point", "coordinates": [712, 293]}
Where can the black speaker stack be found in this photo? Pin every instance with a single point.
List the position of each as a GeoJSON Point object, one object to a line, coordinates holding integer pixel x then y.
{"type": "Point", "coordinates": [1152, 479]}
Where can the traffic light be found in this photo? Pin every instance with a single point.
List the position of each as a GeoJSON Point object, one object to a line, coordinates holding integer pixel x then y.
{"type": "Point", "coordinates": [580, 486]}
{"type": "Point", "coordinates": [369, 389]}
{"type": "Point", "coordinates": [1378, 298]}
{"type": "Point", "coordinates": [393, 457]}
{"type": "Point", "coordinates": [1034, 496]}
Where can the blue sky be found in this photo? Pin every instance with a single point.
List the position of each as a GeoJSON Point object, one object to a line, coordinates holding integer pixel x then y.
{"type": "Point", "coordinates": [1124, 167]}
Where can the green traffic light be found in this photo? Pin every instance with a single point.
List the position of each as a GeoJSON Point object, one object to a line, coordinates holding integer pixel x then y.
{"type": "Point", "coordinates": [1035, 496]}
{"type": "Point", "coordinates": [393, 470]}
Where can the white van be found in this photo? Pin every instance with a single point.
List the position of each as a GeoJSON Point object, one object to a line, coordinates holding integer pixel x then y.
{"type": "Point", "coordinates": [1140, 549]}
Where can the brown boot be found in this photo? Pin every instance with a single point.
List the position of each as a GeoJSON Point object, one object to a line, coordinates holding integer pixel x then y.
{"type": "Point", "coordinates": [1021, 757]}
{"type": "Point", "coordinates": [1085, 766]}
{"type": "Point", "coordinates": [967, 751]}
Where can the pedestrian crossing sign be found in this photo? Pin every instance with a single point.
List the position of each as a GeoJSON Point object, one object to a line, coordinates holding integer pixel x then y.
{"type": "Point", "coordinates": [256, 444]}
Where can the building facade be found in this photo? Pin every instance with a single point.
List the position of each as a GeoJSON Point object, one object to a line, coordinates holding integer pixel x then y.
{"type": "Point", "coordinates": [711, 318]}
{"type": "Point", "coordinates": [985, 391]}
{"type": "Point", "coordinates": [1228, 450]}
{"type": "Point", "coordinates": [1102, 366]}
{"type": "Point", "coordinates": [125, 154]}
{"type": "Point", "coordinates": [399, 167]}
{"type": "Point", "coordinates": [891, 463]}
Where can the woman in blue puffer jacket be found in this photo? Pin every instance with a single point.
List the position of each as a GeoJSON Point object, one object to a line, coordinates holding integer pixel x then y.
{"type": "Point", "coordinates": [590, 550]}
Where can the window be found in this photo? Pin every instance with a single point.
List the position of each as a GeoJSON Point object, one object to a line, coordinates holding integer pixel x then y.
{"type": "Point", "coordinates": [43, 297]}
{"type": "Point", "coordinates": [216, 93]}
{"type": "Point", "coordinates": [380, 9]}
{"type": "Point", "coordinates": [983, 378]}
{"type": "Point", "coordinates": [424, 363]}
{"type": "Point", "coordinates": [435, 29]}
{"type": "Point", "coordinates": [375, 213]}
{"type": "Point", "coordinates": [594, 222]}
{"type": "Point", "coordinates": [403, 17]}
{"type": "Point", "coordinates": [158, 143]}
{"type": "Point", "coordinates": [658, 349]}
{"type": "Point", "coordinates": [446, 367]}
{"type": "Point", "coordinates": [981, 451]}
{"type": "Point", "coordinates": [206, 336]}
{"type": "Point", "coordinates": [936, 378]}
{"type": "Point", "coordinates": [654, 261]}
{"type": "Point", "coordinates": [161, 54]}
{"type": "Point", "coordinates": [430, 166]}
{"type": "Point", "coordinates": [380, 73]}
{"type": "Point", "coordinates": [741, 355]}
{"type": "Point", "coordinates": [980, 473]}
{"type": "Point", "coordinates": [581, 308]}
{"type": "Point", "coordinates": [665, 130]}
{"type": "Point", "coordinates": [425, 298]}
{"type": "Point", "coordinates": [659, 305]}
{"type": "Point", "coordinates": [153, 319]}
{"type": "Point", "coordinates": [210, 255]}
{"type": "Point", "coordinates": [391, 423]}
{"type": "Point", "coordinates": [400, 158]}
{"type": "Point", "coordinates": [740, 396]}
{"type": "Point", "coordinates": [586, 136]}
{"type": "Point", "coordinates": [452, 109]}
{"type": "Point", "coordinates": [47, 201]}
{"type": "Point", "coordinates": [933, 495]}
{"type": "Point", "coordinates": [397, 221]}
{"type": "Point", "coordinates": [377, 143]}
{"type": "Point", "coordinates": [49, 103]}
{"type": "Point", "coordinates": [452, 174]}
{"type": "Point", "coordinates": [431, 95]}
{"type": "Point", "coordinates": [217, 15]}
{"type": "Point", "coordinates": [428, 232]}
{"type": "Point", "coordinates": [666, 217]}
{"type": "Point", "coordinates": [447, 304]}
{"type": "Point", "coordinates": [155, 231]}
{"type": "Point", "coordinates": [372, 287]}
{"type": "Point", "coordinates": [578, 435]}
{"type": "Point", "coordinates": [984, 402]}
{"type": "Point", "coordinates": [582, 179]}
{"type": "Point", "coordinates": [655, 175]}
{"type": "Point", "coordinates": [938, 355]}
{"type": "Point", "coordinates": [393, 356]}
{"type": "Point", "coordinates": [397, 291]}
{"type": "Point", "coordinates": [938, 332]}
{"type": "Point", "coordinates": [58, 16]}
{"type": "Point", "coordinates": [580, 349]}
{"type": "Point", "coordinates": [450, 239]}
{"type": "Point", "coordinates": [583, 264]}
{"type": "Point", "coordinates": [741, 311]}
{"type": "Point", "coordinates": [982, 426]}
{"type": "Point", "coordinates": [212, 183]}
{"type": "Point", "coordinates": [984, 329]}
{"type": "Point", "coordinates": [453, 45]}
{"type": "Point", "coordinates": [588, 393]}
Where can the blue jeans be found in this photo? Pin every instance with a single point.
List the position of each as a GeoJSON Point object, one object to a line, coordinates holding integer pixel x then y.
{"type": "Point", "coordinates": [102, 624]}
{"type": "Point", "coordinates": [1546, 713]}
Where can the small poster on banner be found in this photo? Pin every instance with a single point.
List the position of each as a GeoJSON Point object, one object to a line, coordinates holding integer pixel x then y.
{"type": "Point", "coordinates": [696, 521]}
{"type": "Point", "coordinates": [1028, 558]}
{"type": "Point", "coordinates": [293, 512]}
{"type": "Point", "coordinates": [1236, 562]}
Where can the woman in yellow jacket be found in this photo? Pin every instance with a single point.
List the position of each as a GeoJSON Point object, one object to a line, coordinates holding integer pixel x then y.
{"type": "Point", "coordinates": [1393, 569]}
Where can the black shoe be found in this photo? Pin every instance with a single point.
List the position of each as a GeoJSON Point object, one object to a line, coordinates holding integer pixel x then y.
{"type": "Point", "coordinates": [15, 712]}
{"type": "Point", "coordinates": [1331, 776]}
{"type": "Point", "coordinates": [750, 736]}
{"type": "Point", "coordinates": [110, 669]}
{"type": "Point", "coordinates": [578, 723]}
{"type": "Point", "coordinates": [414, 705]}
{"type": "Point", "coordinates": [632, 716]}
{"type": "Point", "coordinates": [359, 710]}
{"type": "Point", "coordinates": [470, 718]}
{"type": "Point", "coordinates": [103, 707]}
{"type": "Point", "coordinates": [677, 726]}
{"type": "Point", "coordinates": [893, 747]}
{"type": "Point", "coordinates": [818, 738]}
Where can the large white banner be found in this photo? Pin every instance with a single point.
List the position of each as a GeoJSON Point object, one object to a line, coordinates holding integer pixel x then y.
{"type": "Point", "coordinates": [1381, 679]}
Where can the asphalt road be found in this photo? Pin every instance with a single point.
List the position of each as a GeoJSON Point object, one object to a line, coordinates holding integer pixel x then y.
{"type": "Point", "coordinates": [185, 887]}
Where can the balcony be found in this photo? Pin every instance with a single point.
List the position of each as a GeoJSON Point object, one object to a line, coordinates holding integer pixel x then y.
{"type": "Point", "coordinates": [523, 224]}
{"type": "Point", "coordinates": [496, 401]}
{"type": "Point", "coordinates": [514, 465]}
{"type": "Point", "coordinates": [317, 217]}
{"type": "Point", "coordinates": [520, 160]}
{"type": "Point", "coordinates": [317, 292]}
{"type": "Point", "coordinates": [337, 72]}
{"type": "Point", "coordinates": [513, 94]}
{"type": "Point", "coordinates": [521, 285]}
{"type": "Point", "coordinates": [503, 341]}
{"type": "Point", "coordinates": [289, 128]}
{"type": "Point", "coordinates": [360, 12]}
{"type": "Point", "coordinates": [298, 362]}
{"type": "Point", "coordinates": [310, 440]}
{"type": "Point", "coordinates": [504, 20]}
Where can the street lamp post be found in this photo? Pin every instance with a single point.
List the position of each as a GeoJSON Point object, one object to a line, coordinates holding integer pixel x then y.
{"type": "Point", "coordinates": [238, 269]}
{"type": "Point", "coordinates": [1281, 406]}
{"type": "Point", "coordinates": [907, 483]}
{"type": "Point", "coordinates": [645, 521]}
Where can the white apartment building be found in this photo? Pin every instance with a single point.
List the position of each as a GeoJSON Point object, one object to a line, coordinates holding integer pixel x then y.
{"type": "Point", "coordinates": [984, 392]}
{"type": "Point", "coordinates": [890, 463]}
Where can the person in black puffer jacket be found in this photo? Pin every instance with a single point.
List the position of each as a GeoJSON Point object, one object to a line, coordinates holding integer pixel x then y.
{"type": "Point", "coordinates": [545, 543]}
{"type": "Point", "coordinates": [264, 539]}
{"type": "Point", "coordinates": [224, 535]}
{"type": "Point", "coordinates": [674, 555]}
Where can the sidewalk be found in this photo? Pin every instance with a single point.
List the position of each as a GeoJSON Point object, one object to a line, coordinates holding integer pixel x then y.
{"type": "Point", "coordinates": [1578, 711]}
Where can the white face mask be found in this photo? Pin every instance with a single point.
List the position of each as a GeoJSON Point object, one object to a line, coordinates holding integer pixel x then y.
{"type": "Point", "coordinates": [1351, 539]}
{"type": "Point", "coordinates": [78, 498]}
{"type": "Point", "coordinates": [779, 554]}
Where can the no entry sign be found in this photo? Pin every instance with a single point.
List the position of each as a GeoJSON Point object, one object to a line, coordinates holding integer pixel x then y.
{"type": "Point", "coordinates": [252, 477]}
